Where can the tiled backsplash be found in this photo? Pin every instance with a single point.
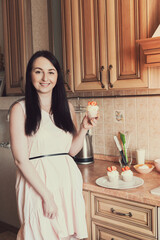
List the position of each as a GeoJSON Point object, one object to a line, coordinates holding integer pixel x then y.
{"type": "Point", "coordinates": [140, 116]}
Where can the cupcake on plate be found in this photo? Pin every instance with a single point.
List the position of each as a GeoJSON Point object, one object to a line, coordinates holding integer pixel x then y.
{"type": "Point", "coordinates": [113, 174]}
{"type": "Point", "coordinates": [127, 174]}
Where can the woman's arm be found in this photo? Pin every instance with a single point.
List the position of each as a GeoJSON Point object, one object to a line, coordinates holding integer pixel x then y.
{"type": "Point", "coordinates": [19, 147]}
{"type": "Point", "coordinates": [78, 138]}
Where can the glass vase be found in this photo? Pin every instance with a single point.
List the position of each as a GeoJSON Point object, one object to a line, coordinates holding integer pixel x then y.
{"type": "Point", "coordinates": [125, 159]}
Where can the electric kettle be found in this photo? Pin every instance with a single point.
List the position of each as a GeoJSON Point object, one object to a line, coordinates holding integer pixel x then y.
{"type": "Point", "coordinates": [85, 156]}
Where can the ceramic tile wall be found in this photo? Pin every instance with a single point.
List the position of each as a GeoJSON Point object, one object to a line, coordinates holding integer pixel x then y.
{"type": "Point", "coordinates": [141, 117]}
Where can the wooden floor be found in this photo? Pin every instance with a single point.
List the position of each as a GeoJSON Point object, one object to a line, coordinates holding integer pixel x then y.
{"type": "Point", "coordinates": [8, 235]}
{"type": "Point", "coordinates": [7, 232]}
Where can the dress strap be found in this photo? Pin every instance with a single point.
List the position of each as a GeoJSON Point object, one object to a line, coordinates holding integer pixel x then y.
{"type": "Point", "coordinates": [48, 155]}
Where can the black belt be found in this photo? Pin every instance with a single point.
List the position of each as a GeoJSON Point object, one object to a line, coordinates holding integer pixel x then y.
{"type": "Point", "coordinates": [48, 155]}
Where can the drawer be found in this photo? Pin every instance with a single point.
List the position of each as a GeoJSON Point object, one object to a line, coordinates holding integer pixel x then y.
{"type": "Point", "coordinates": [124, 215]}
{"type": "Point", "coordinates": [100, 231]}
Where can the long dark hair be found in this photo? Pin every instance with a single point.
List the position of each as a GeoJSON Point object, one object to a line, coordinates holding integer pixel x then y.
{"type": "Point", "coordinates": [59, 104]}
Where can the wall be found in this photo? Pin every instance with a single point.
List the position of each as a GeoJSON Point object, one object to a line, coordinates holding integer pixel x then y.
{"type": "Point", "coordinates": [8, 209]}
{"type": "Point", "coordinates": [141, 117]}
{"type": "Point", "coordinates": [40, 33]}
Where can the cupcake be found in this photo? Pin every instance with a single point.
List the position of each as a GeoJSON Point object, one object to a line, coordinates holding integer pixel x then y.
{"type": "Point", "coordinates": [92, 109]}
{"type": "Point", "coordinates": [127, 174]}
{"type": "Point", "coordinates": [113, 174]}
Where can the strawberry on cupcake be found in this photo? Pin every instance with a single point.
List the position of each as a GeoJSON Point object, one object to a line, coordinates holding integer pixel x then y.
{"type": "Point", "coordinates": [127, 174]}
{"type": "Point", "coordinates": [113, 174]}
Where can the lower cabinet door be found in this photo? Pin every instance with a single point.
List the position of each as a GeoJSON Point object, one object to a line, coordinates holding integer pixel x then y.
{"type": "Point", "coordinates": [101, 232]}
{"type": "Point", "coordinates": [86, 196]}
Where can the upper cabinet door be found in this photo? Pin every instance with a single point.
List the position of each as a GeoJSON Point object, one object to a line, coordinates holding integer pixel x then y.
{"type": "Point", "coordinates": [84, 28]}
{"type": "Point", "coordinates": [17, 43]}
{"type": "Point", "coordinates": [66, 19]}
{"type": "Point", "coordinates": [127, 22]}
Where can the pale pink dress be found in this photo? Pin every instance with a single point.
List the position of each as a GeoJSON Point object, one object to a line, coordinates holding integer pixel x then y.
{"type": "Point", "coordinates": [62, 177]}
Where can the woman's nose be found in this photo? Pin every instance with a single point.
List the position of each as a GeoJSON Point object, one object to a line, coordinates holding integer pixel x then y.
{"type": "Point", "coordinates": [44, 76]}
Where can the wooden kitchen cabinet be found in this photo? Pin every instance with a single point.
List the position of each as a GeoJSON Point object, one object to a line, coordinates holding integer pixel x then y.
{"type": "Point", "coordinates": [127, 22]}
{"type": "Point", "coordinates": [84, 37]}
{"type": "Point", "coordinates": [100, 231]}
{"type": "Point", "coordinates": [99, 43]}
{"type": "Point", "coordinates": [115, 218]}
{"type": "Point", "coordinates": [86, 195]}
{"type": "Point", "coordinates": [17, 43]}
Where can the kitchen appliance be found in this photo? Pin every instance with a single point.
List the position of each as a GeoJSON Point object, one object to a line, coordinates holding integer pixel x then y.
{"type": "Point", "coordinates": [85, 156]}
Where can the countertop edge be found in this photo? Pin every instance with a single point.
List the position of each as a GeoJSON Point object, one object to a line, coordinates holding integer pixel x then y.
{"type": "Point", "coordinates": [140, 194]}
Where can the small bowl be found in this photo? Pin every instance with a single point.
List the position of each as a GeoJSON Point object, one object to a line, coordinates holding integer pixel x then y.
{"type": "Point", "coordinates": [157, 164]}
{"type": "Point", "coordinates": [144, 171]}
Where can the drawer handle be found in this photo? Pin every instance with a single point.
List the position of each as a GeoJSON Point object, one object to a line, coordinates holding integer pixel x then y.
{"type": "Point", "coordinates": [121, 214]}
{"type": "Point", "coordinates": [109, 76]}
{"type": "Point", "coordinates": [101, 70]}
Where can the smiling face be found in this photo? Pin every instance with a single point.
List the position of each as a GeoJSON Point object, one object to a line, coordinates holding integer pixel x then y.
{"type": "Point", "coordinates": [44, 75]}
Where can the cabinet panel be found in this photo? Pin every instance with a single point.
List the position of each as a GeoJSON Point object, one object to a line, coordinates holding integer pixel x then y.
{"type": "Point", "coordinates": [87, 47]}
{"type": "Point", "coordinates": [86, 196]}
{"type": "Point", "coordinates": [88, 31]}
{"type": "Point", "coordinates": [127, 30]}
{"type": "Point", "coordinates": [17, 43]}
{"type": "Point", "coordinates": [128, 18]}
{"type": "Point", "coordinates": [67, 44]}
{"type": "Point", "coordinates": [86, 37]}
{"type": "Point", "coordinates": [136, 217]}
{"type": "Point", "coordinates": [100, 231]}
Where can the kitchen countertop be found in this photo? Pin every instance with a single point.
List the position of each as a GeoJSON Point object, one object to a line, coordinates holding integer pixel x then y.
{"type": "Point", "coordinates": [91, 172]}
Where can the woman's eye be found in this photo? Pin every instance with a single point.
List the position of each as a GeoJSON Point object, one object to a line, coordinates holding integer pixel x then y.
{"type": "Point", "coordinates": [38, 71]}
{"type": "Point", "coordinates": [51, 72]}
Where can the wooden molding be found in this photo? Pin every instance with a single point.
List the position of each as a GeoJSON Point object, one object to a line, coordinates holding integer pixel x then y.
{"type": "Point", "coordinates": [151, 50]}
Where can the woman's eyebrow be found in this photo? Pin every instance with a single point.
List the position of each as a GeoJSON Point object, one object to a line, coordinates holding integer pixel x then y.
{"type": "Point", "coordinates": [51, 69]}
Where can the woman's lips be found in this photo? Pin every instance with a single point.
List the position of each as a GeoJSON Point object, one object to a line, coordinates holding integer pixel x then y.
{"type": "Point", "coordinates": [44, 84]}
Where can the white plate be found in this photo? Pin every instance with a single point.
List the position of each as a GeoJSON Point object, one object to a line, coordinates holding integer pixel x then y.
{"type": "Point", "coordinates": [104, 182]}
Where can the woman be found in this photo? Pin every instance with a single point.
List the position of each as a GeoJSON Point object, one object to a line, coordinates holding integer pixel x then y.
{"type": "Point", "coordinates": [43, 139]}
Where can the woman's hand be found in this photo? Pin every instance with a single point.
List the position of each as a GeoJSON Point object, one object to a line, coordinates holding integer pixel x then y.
{"type": "Point", "coordinates": [88, 123]}
{"type": "Point", "coordinates": [49, 206]}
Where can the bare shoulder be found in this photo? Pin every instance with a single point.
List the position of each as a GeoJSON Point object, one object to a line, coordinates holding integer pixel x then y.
{"type": "Point", "coordinates": [16, 113]}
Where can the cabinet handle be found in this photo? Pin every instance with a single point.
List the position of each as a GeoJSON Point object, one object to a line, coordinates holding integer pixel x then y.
{"type": "Point", "coordinates": [109, 76]}
{"type": "Point", "coordinates": [66, 82]}
{"type": "Point", "coordinates": [121, 214]}
{"type": "Point", "coordinates": [101, 70]}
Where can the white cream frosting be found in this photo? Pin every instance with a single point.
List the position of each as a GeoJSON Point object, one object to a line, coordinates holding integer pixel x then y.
{"type": "Point", "coordinates": [92, 111]}
{"type": "Point", "coordinates": [127, 175]}
{"type": "Point", "coordinates": [113, 176]}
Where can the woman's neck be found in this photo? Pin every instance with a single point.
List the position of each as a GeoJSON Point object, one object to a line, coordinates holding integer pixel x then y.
{"type": "Point", "coordinates": [45, 103]}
